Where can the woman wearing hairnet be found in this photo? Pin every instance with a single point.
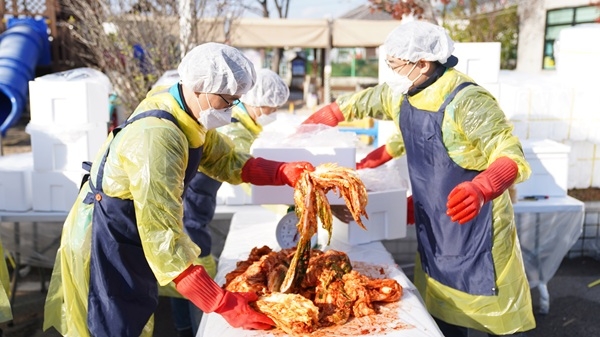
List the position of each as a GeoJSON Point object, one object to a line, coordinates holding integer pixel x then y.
{"type": "Point", "coordinates": [462, 157]}
{"type": "Point", "coordinates": [269, 93]}
{"type": "Point", "coordinates": [124, 235]}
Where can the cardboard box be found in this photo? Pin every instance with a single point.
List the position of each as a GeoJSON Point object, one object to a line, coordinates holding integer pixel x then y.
{"type": "Point", "coordinates": [15, 182]}
{"type": "Point", "coordinates": [55, 191]}
{"type": "Point", "coordinates": [68, 103]}
{"type": "Point", "coordinates": [343, 156]}
{"type": "Point", "coordinates": [387, 220]}
{"type": "Point", "coordinates": [549, 162]}
{"type": "Point", "coordinates": [64, 149]}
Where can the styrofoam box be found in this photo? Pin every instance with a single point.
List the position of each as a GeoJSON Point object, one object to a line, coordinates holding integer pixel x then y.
{"type": "Point", "coordinates": [573, 48]}
{"type": "Point", "coordinates": [55, 191]}
{"type": "Point", "coordinates": [229, 194]}
{"type": "Point", "coordinates": [68, 102]}
{"type": "Point", "coordinates": [343, 156]}
{"type": "Point", "coordinates": [549, 162]}
{"type": "Point", "coordinates": [387, 219]}
{"type": "Point", "coordinates": [479, 60]}
{"type": "Point", "coordinates": [15, 182]}
{"type": "Point", "coordinates": [59, 149]}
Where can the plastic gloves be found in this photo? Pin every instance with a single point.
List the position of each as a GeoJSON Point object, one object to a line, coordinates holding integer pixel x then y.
{"type": "Point", "coordinates": [466, 199]}
{"type": "Point", "coordinates": [260, 171]}
{"type": "Point", "coordinates": [375, 158]}
{"type": "Point", "coordinates": [197, 286]}
{"type": "Point", "coordinates": [329, 115]}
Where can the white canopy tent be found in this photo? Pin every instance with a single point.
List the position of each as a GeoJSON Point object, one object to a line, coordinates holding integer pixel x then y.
{"type": "Point", "coordinates": [305, 33]}
{"type": "Point", "coordinates": [309, 33]}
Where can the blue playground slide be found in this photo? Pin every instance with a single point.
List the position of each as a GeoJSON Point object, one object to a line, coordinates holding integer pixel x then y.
{"type": "Point", "coordinates": [23, 46]}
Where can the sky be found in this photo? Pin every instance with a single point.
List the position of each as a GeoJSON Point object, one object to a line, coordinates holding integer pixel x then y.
{"type": "Point", "coordinates": [319, 9]}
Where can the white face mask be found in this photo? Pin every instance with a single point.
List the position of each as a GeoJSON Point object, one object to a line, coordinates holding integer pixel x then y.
{"type": "Point", "coordinates": [265, 119]}
{"type": "Point", "coordinates": [213, 118]}
{"type": "Point", "coordinates": [400, 84]}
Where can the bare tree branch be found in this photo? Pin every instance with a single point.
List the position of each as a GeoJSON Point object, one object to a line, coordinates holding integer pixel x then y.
{"type": "Point", "coordinates": [135, 42]}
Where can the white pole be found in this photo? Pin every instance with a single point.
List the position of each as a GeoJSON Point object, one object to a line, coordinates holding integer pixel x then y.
{"type": "Point", "coordinates": [327, 66]}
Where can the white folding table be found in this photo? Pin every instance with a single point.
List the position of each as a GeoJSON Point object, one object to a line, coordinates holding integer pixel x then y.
{"type": "Point", "coordinates": [547, 229]}
{"type": "Point", "coordinates": [251, 229]}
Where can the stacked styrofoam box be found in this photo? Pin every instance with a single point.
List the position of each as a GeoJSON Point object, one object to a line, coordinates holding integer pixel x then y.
{"type": "Point", "coordinates": [387, 219]}
{"type": "Point", "coordinates": [15, 182]}
{"type": "Point", "coordinates": [549, 162]}
{"type": "Point", "coordinates": [229, 194]}
{"type": "Point", "coordinates": [286, 140]}
{"type": "Point", "coordinates": [573, 48]}
{"type": "Point", "coordinates": [343, 156]}
{"type": "Point", "coordinates": [69, 116]}
{"type": "Point", "coordinates": [479, 60]}
{"type": "Point", "coordinates": [545, 106]}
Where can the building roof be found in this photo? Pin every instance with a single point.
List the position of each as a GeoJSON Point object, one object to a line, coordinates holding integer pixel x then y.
{"type": "Point", "coordinates": [364, 12]}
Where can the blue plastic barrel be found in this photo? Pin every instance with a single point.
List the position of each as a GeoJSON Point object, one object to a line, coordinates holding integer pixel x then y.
{"type": "Point", "coordinates": [20, 49]}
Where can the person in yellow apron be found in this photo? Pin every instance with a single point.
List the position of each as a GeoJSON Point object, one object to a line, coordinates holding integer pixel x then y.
{"type": "Point", "coordinates": [124, 235]}
{"type": "Point", "coordinates": [462, 156]}
{"type": "Point", "coordinates": [5, 307]}
{"type": "Point", "coordinates": [200, 200]}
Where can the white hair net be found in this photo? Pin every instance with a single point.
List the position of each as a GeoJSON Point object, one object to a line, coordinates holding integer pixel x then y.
{"type": "Point", "coordinates": [270, 90]}
{"type": "Point", "coordinates": [217, 69]}
{"type": "Point", "coordinates": [420, 40]}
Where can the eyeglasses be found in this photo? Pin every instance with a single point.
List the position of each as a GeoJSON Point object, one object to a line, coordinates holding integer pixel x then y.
{"type": "Point", "coordinates": [396, 67]}
{"type": "Point", "coordinates": [232, 103]}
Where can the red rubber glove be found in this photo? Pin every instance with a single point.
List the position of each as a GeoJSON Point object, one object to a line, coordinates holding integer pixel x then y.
{"type": "Point", "coordinates": [260, 171]}
{"type": "Point", "coordinates": [410, 211]}
{"type": "Point", "coordinates": [329, 115]}
{"type": "Point", "coordinates": [375, 158]}
{"type": "Point", "coordinates": [466, 199]}
{"type": "Point", "coordinates": [197, 286]}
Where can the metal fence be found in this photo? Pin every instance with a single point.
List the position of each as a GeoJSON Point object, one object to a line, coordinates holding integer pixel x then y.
{"type": "Point", "coordinates": [588, 244]}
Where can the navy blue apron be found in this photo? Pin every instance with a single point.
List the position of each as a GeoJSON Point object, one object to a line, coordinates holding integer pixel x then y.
{"type": "Point", "coordinates": [199, 204]}
{"type": "Point", "coordinates": [458, 256]}
{"type": "Point", "coordinates": [123, 292]}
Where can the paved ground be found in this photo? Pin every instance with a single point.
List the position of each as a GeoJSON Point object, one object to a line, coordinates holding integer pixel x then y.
{"type": "Point", "coordinates": [574, 308]}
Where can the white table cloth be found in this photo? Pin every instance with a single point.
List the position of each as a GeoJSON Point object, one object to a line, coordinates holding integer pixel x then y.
{"type": "Point", "coordinates": [251, 229]}
{"type": "Point", "coordinates": [547, 229]}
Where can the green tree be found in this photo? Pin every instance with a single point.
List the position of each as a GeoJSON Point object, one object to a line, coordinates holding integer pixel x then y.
{"type": "Point", "coordinates": [465, 20]}
{"type": "Point", "coordinates": [486, 21]}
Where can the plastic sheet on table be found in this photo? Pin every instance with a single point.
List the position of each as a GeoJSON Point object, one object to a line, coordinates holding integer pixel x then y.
{"type": "Point", "coordinates": [284, 132]}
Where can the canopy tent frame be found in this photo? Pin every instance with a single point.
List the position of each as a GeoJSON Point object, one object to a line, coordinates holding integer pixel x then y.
{"type": "Point", "coordinates": [322, 34]}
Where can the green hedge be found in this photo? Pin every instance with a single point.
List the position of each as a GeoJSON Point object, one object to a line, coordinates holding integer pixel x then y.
{"type": "Point", "coordinates": [363, 68]}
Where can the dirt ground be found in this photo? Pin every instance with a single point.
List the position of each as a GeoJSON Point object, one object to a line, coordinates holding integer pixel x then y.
{"type": "Point", "coordinates": [574, 306]}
